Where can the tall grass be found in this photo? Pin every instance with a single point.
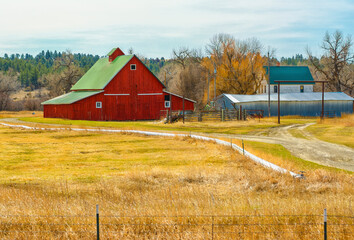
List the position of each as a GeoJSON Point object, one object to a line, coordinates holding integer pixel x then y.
{"type": "Point", "coordinates": [335, 130]}
{"type": "Point", "coordinates": [67, 173]}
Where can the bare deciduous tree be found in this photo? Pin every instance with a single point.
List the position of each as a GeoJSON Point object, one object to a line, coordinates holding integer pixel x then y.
{"type": "Point", "coordinates": [336, 64]}
{"type": "Point", "coordinates": [8, 85]}
{"type": "Point", "coordinates": [185, 56]}
{"type": "Point", "coordinates": [216, 45]}
{"type": "Point", "coordinates": [190, 83]}
{"type": "Point", "coordinates": [66, 74]}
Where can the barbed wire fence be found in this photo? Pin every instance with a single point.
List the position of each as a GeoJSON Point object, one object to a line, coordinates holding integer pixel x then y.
{"type": "Point", "coordinates": [98, 226]}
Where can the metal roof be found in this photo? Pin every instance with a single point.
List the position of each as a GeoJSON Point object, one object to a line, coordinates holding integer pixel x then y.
{"type": "Point", "coordinates": [179, 96]}
{"type": "Point", "coordinates": [101, 73]}
{"type": "Point", "coordinates": [289, 97]}
{"type": "Point", "coordinates": [71, 97]}
{"type": "Point", "coordinates": [289, 73]}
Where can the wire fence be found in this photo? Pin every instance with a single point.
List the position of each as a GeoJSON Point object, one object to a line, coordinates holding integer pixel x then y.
{"type": "Point", "coordinates": [176, 227]}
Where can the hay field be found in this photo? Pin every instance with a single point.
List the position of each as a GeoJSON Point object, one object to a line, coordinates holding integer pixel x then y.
{"type": "Point", "coordinates": [335, 130]}
{"type": "Point", "coordinates": [50, 183]}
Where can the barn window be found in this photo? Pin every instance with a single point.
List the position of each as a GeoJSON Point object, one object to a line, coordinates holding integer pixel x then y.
{"type": "Point", "coordinates": [167, 104]}
{"type": "Point", "coordinates": [167, 97]}
{"type": "Point", "coordinates": [98, 104]}
{"type": "Point", "coordinates": [301, 88]}
{"type": "Point", "coordinates": [275, 89]}
{"type": "Point", "coordinates": [132, 66]}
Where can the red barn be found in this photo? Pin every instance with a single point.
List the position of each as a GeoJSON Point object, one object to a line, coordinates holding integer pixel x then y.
{"type": "Point", "coordinates": [119, 87]}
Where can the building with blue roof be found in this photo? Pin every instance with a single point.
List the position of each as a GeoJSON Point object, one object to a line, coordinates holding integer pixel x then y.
{"type": "Point", "coordinates": [287, 73]}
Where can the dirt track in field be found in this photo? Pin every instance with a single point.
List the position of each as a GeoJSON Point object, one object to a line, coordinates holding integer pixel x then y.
{"type": "Point", "coordinates": [309, 148]}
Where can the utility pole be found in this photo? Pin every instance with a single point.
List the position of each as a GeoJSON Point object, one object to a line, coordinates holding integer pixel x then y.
{"type": "Point", "coordinates": [214, 84]}
{"type": "Point", "coordinates": [269, 84]}
{"type": "Point", "coordinates": [208, 88]}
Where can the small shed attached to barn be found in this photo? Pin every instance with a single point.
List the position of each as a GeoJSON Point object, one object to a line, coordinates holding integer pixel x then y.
{"type": "Point", "coordinates": [118, 87]}
{"type": "Point", "coordinates": [302, 104]}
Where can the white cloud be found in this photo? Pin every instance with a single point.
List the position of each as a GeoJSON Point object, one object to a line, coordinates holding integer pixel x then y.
{"type": "Point", "coordinates": [96, 26]}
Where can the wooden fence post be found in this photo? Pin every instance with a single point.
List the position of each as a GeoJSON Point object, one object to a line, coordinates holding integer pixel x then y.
{"type": "Point", "coordinates": [212, 227]}
{"type": "Point", "coordinates": [325, 224]}
{"type": "Point", "coordinates": [243, 148]}
{"type": "Point", "coordinates": [183, 109]}
{"type": "Point", "coordinates": [98, 222]}
{"type": "Point", "coordinates": [240, 114]}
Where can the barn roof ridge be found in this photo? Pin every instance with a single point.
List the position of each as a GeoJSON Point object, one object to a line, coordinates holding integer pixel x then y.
{"type": "Point", "coordinates": [101, 73]}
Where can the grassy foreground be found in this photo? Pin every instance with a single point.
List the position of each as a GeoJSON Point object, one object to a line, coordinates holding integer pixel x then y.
{"type": "Point", "coordinates": [67, 173]}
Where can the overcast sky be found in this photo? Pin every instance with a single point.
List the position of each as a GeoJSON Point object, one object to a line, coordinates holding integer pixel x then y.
{"type": "Point", "coordinates": [154, 27]}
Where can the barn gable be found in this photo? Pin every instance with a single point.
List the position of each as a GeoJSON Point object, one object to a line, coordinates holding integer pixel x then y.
{"type": "Point", "coordinates": [141, 80]}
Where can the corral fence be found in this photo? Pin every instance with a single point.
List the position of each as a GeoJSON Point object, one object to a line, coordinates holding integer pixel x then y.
{"type": "Point", "coordinates": [101, 226]}
{"type": "Point", "coordinates": [222, 115]}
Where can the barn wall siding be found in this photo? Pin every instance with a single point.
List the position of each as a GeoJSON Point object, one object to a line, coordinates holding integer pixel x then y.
{"type": "Point", "coordinates": [58, 111]}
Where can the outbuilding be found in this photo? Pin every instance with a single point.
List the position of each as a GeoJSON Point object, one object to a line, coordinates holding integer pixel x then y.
{"type": "Point", "coordinates": [117, 87]}
{"type": "Point", "coordinates": [288, 75]}
{"type": "Point", "coordinates": [302, 104]}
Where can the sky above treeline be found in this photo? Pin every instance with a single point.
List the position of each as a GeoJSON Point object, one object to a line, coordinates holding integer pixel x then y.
{"type": "Point", "coordinates": [154, 27]}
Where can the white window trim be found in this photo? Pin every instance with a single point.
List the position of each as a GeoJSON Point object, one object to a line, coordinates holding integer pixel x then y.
{"type": "Point", "coordinates": [275, 87]}
{"type": "Point", "coordinates": [131, 67]}
{"type": "Point", "coordinates": [149, 94]}
{"type": "Point", "coordinates": [167, 104]}
{"type": "Point", "coordinates": [98, 104]}
{"type": "Point", "coordinates": [116, 94]}
{"type": "Point", "coordinates": [302, 88]}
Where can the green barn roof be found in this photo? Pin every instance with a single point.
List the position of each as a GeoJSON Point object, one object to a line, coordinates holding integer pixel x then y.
{"type": "Point", "coordinates": [289, 73]}
{"type": "Point", "coordinates": [71, 97]}
{"type": "Point", "coordinates": [101, 73]}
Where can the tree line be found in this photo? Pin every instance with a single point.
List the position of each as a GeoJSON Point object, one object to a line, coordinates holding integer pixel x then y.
{"type": "Point", "coordinates": [224, 65]}
{"type": "Point", "coordinates": [29, 69]}
{"type": "Point", "coordinates": [234, 66]}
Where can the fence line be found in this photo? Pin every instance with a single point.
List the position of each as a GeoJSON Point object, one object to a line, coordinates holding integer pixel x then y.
{"type": "Point", "coordinates": [212, 226]}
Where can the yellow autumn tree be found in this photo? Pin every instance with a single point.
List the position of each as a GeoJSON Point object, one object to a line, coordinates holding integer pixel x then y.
{"type": "Point", "coordinates": [238, 65]}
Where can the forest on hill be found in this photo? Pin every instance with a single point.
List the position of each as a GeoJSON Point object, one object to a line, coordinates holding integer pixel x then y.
{"type": "Point", "coordinates": [29, 69]}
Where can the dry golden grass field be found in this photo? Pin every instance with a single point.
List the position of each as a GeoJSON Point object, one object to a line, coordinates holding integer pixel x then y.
{"type": "Point", "coordinates": [160, 188]}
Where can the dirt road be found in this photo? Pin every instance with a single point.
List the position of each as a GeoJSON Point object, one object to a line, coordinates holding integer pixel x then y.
{"type": "Point", "coordinates": [309, 148]}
